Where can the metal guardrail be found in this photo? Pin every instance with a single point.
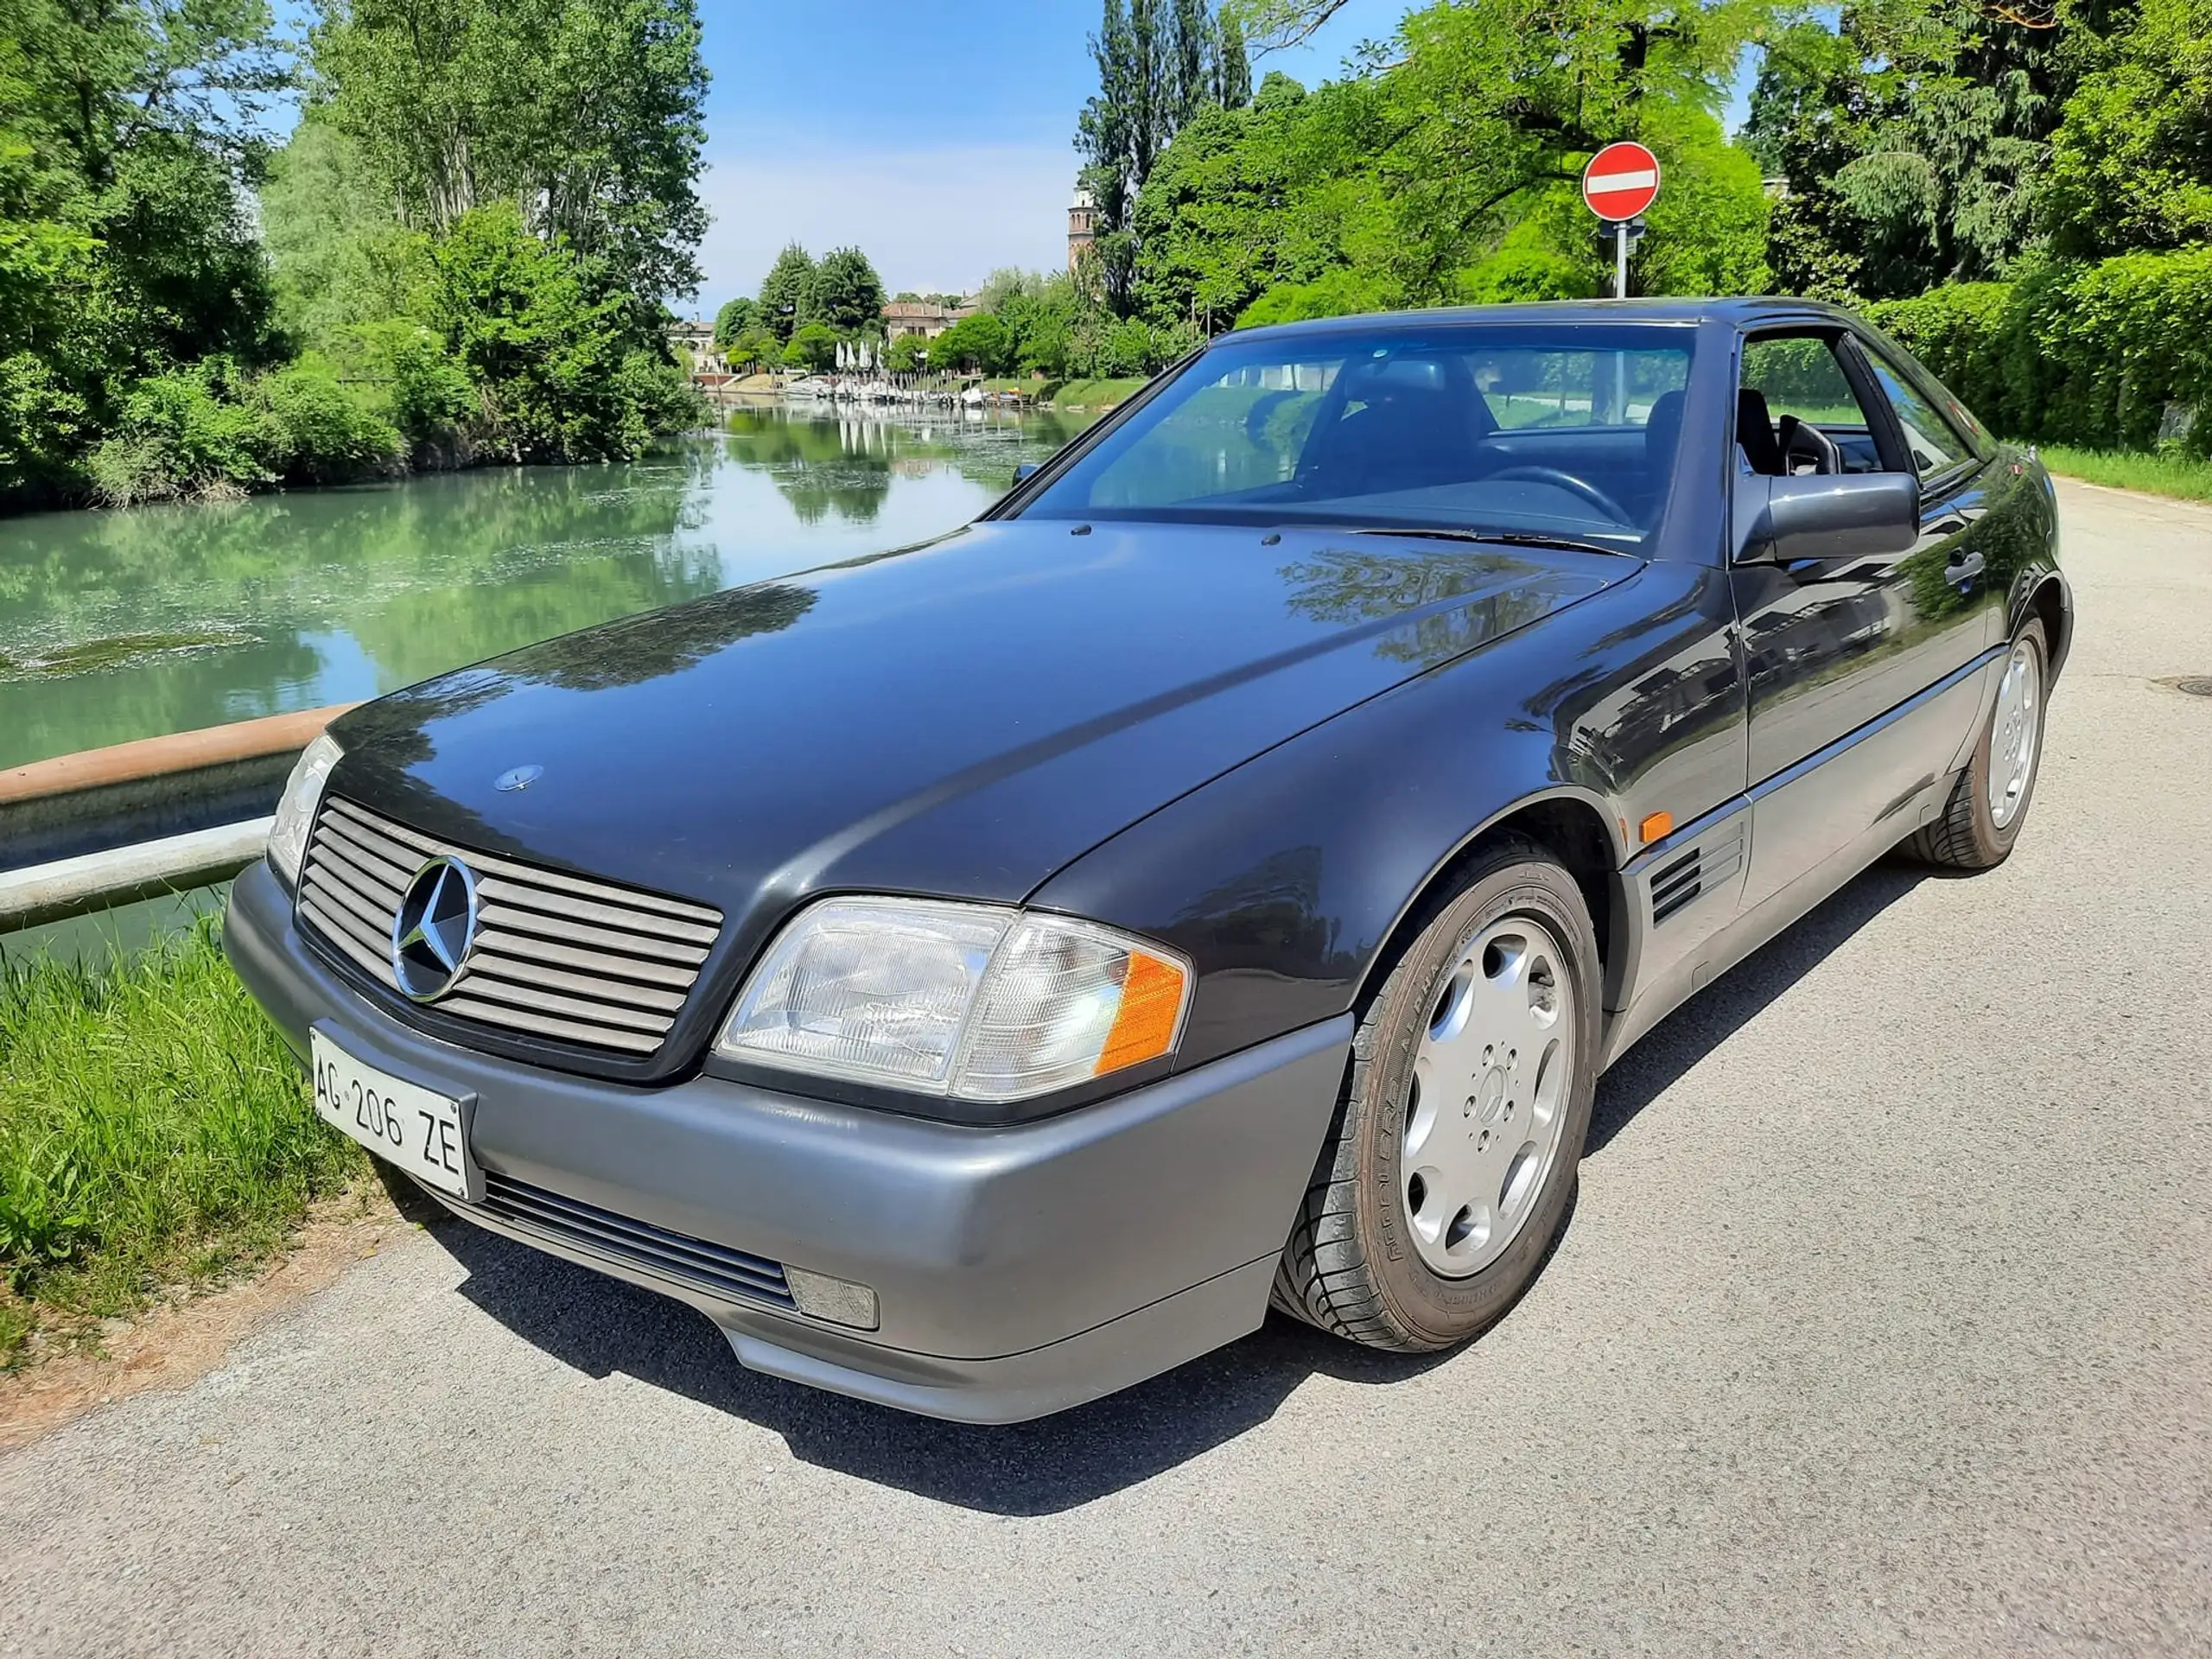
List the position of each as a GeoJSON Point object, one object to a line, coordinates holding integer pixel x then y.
{"type": "Point", "coordinates": [89, 831]}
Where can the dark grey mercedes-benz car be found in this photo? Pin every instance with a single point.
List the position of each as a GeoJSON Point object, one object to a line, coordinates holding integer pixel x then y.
{"type": "Point", "coordinates": [985, 974]}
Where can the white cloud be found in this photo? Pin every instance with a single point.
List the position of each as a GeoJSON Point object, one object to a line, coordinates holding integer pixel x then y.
{"type": "Point", "coordinates": [932, 218]}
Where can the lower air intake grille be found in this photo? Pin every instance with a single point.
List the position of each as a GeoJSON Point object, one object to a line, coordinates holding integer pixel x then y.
{"type": "Point", "coordinates": [715, 1268]}
{"type": "Point", "coordinates": [555, 955]}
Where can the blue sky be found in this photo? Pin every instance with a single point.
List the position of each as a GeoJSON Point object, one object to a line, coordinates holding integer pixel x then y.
{"type": "Point", "coordinates": [937, 137]}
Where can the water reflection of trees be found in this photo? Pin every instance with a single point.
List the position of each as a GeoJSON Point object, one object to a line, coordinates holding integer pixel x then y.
{"type": "Point", "coordinates": [425, 575]}
{"type": "Point", "coordinates": [824, 462]}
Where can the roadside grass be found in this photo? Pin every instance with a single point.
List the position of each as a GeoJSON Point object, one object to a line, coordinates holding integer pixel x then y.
{"type": "Point", "coordinates": [2155, 473]}
{"type": "Point", "coordinates": [155, 1134]}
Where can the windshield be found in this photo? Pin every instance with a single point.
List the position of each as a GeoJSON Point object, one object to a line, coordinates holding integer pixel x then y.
{"type": "Point", "coordinates": [1564, 431]}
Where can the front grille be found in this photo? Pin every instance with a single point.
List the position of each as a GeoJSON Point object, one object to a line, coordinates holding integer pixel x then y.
{"type": "Point", "coordinates": [715, 1268]}
{"type": "Point", "coordinates": [555, 955]}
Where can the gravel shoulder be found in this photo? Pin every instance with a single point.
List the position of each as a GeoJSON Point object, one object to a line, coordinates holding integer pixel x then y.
{"type": "Point", "coordinates": [1882, 1326]}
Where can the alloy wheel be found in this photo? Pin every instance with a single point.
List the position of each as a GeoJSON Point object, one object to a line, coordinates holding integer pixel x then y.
{"type": "Point", "coordinates": [1488, 1097]}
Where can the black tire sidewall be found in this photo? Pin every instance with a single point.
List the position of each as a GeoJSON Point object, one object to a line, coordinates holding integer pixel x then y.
{"type": "Point", "coordinates": [1432, 1309]}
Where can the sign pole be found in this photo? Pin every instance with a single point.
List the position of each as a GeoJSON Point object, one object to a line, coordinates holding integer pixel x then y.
{"type": "Point", "coordinates": [1620, 259]}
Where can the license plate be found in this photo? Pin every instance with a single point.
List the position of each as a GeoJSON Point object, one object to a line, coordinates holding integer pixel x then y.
{"type": "Point", "coordinates": [415, 1128]}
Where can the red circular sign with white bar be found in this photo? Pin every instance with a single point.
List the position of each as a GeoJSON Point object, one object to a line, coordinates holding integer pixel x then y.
{"type": "Point", "coordinates": [1621, 181]}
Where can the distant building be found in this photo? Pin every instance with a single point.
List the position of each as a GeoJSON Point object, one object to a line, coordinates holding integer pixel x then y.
{"type": "Point", "coordinates": [928, 318]}
{"type": "Point", "coordinates": [697, 337]}
{"type": "Point", "coordinates": [1082, 226]}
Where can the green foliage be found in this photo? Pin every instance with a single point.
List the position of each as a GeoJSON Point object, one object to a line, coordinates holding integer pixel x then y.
{"type": "Point", "coordinates": [2132, 164]}
{"type": "Point", "coordinates": [1451, 173]}
{"type": "Point", "coordinates": [732, 319]}
{"type": "Point", "coordinates": [907, 354]}
{"type": "Point", "coordinates": [813, 346]}
{"type": "Point", "coordinates": [1159, 62]}
{"type": "Point", "coordinates": [2103, 356]}
{"type": "Point", "coordinates": [186, 433]}
{"type": "Point", "coordinates": [783, 290]}
{"type": "Point", "coordinates": [978, 345]}
{"type": "Point", "coordinates": [554, 363]}
{"type": "Point", "coordinates": [756, 346]}
{"type": "Point", "coordinates": [427, 393]}
{"type": "Point", "coordinates": [1339, 293]}
{"type": "Point", "coordinates": [591, 112]}
{"type": "Point", "coordinates": [845, 292]}
{"type": "Point", "coordinates": [1916, 137]}
{"type": "Point", "coordinates": [337, 258]}
{"type": "Point", "coordinates": [312, 430]}
{"type": "Point", "coordinates": [153, 1131]}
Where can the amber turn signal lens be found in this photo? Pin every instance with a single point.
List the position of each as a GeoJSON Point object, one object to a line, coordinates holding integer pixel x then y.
{"type": "Point", "coordinates": [1152, 1006]}
{"type": "Point", "coordinates": [1658, 827]}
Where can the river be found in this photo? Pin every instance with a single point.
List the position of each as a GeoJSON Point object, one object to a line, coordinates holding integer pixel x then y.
{"type": "Point", "coordinates": [116, 626]}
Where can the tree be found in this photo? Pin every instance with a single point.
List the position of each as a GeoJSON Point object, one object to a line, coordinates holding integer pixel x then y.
{"type": "Point", "coordinates": [546, 354]}
{"type": "Point", "coordinates": [813, 346]}
{"type": "Point", "coordinates": [907, 354]}
{"type": "Point", "coordinates": [754, 347]}
{"type": "Point", "coordinates": [735, 317]}
{"type": "Point", "coordinates": [1272, 25]}
{"type": "Point", "coordinates": [845, 292]}
{"type": "Point", "coordinates": [1916, 138]}
{"type": "Point", "coordinates": [2132, 161]}
{"type": "Point", "coordinates": [786, 289]}
{"type": "Point", "coordinates": [1401, 185]}
{"type": "Point", "coordinates": [981, 344]}
{"type": "Point", "coordinates": [1159, 62]}
{"type": "Point", "coordinates": [586, 112]}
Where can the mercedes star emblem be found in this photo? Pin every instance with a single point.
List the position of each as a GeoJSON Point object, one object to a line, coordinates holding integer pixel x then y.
{"type": "Point", "coordinates": [434, 930]}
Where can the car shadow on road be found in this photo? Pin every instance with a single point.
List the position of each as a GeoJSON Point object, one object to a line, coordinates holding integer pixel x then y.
{"type": "Point", "coordinates": [603, 1326]}
{"type": "Point", "coordinates": [1717, 1012]}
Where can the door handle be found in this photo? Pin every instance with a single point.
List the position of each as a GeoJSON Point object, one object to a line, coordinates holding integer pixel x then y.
{"type": "Point", "coordinates": [1965, 570]}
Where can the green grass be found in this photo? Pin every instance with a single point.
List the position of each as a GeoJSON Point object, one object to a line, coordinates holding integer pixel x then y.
{"type": "Point", "coordinates": [1096, 394]}
{"type": "Point", "coordinates": [2155, 472]}
{"type": "Point", "coordinates": [155, 1133]}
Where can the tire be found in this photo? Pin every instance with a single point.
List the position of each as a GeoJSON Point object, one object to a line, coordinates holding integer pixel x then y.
{"type": "Point", "coordinates": [1447, 1069]}
{"type": "Point", "coordinates": [1976, 831]}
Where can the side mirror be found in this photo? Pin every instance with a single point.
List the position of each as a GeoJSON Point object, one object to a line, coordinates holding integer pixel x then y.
{"type": "Point", "coordinates": [1026, 470]}
{"type": "Point", "coordinates": [1831, 516]}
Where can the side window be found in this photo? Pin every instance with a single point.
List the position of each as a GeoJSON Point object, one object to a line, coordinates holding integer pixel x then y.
{"type": "Point", "coordinates": [1799, 378]}
{"type": "Point", "coordinates": [1936, 445]}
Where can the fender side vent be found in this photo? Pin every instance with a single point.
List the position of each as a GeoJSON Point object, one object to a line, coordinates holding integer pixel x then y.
{"type": "Point", "coordinates": [1675, 885]}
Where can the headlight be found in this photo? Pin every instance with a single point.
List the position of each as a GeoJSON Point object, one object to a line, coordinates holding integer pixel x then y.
{"type": "Point", "coordinates": [288, 837]}
{"type": "Point", "coordinates": [969, 1000]}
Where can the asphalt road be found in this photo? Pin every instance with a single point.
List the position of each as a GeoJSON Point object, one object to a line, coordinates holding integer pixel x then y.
{"type": "Point", "coordinates": [1882, 1326]}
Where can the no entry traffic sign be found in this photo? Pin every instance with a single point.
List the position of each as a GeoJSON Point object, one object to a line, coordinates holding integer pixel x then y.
{"type": "Point", "coordinates": [1621, 181]}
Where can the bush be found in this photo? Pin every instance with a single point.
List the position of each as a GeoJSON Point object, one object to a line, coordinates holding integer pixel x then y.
{"type": "Point", "coordinates": [182, 434]}
{"type": "Point", "coordinates": [316, 431]}
{"type": "Point", "coordinates": [427, 393]}
{"type": "Point", "coordinates": [2091, 354]}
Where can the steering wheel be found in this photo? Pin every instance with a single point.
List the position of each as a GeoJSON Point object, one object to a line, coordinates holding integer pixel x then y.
{"type": "Point", "coordinates": [1801, 438]}
{"type": "Point", "coordinates": [1567, 481]}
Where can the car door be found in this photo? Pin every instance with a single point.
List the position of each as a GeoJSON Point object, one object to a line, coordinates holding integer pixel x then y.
{"type": "Point", "coordinates": [1858, 672]}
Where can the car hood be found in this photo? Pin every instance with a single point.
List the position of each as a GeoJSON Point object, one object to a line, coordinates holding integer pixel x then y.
{"type": "Point", "coordinates": [962, 717]}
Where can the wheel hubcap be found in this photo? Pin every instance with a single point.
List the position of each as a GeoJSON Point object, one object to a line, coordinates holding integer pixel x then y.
{"type": "Point", "coordinates": [1488, 1100]}
{"type": "Point", "coordinates": [2017, 726]}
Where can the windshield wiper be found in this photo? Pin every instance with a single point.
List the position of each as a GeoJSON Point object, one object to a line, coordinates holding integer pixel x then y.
{"type": "Point", "coordinates": [1493, 538]}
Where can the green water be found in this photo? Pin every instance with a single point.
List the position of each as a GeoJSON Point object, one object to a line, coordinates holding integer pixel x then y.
{"type": "Point", "coordinates": [116, 626]}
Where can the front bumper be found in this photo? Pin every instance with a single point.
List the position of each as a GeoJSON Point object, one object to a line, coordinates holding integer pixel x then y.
{"type": "Point", "coordinates": [1018, 1270]}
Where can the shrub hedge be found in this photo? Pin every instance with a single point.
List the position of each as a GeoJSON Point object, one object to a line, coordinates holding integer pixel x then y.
{"type": "Point", "coordinates": [2114, 355]}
